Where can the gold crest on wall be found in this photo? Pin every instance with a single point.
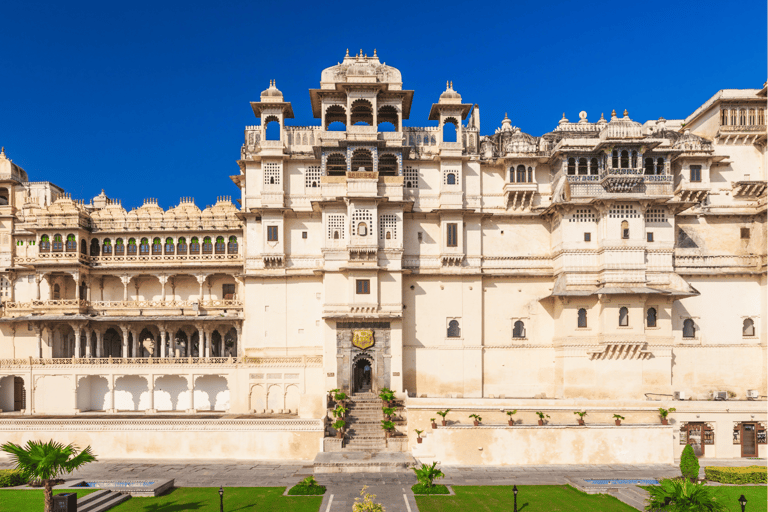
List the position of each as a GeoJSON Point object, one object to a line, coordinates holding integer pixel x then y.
{"type": "Point", "coordinates": [362, 339]}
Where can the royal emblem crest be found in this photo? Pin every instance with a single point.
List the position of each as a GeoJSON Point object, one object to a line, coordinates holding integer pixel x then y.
{"type": "Point", "coordinates": [362, 339]}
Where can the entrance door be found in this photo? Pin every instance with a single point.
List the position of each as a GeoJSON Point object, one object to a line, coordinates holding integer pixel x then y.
{"type": "Point", "coordinates": [696, 438]}
{"type": "Point", "coordinates": [18, 394]}
{"type": "Point", "coordinates": [362, 375]}
{"type": "Point", "coordinates": [748, 440]}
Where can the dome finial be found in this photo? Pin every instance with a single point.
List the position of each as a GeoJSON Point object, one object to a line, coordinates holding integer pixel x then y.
{"type": "Point", "coordinates": [563, 115]}
{"type": "Point", "coordinates": [451, 84]}
{"type": "Point", "coordinates": [602, 116]}
{"type": "Point", "coordinates": [347, 55]}
{"type": "Point", "coordinates": [613, 113]}
{"type": "Point", "coordinates": [374, 52]}
{"type": "Point", "coordinates": [626, 114]}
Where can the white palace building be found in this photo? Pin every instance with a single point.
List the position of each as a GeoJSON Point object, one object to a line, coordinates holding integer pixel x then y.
{"type": "Point", "coordinates": [608, 266]}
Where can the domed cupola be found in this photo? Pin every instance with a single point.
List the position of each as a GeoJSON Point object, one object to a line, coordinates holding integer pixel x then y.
{"type": "Point", "coordinates": [449, 95]}
{"type": "Point", "coordinates": [622, 128]}
{"type": "Point", "coordinates": [272, 94]}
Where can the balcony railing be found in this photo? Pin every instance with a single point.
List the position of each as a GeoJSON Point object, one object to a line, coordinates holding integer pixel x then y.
{"type": "Point", "coordinates": [300, 361]}
{"type": "Point", "coordinates": [743, 128]}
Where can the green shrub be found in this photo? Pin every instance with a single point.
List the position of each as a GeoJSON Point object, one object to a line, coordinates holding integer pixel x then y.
{"type": "Point", "coordinates": [684, 496]}
{"type": "Point", "coordinates": [11, 478]}
{"type": "Point", "coordinates": [689, 464]}
{"type": "Point", "coordinates": [744, 475]}
{"type": "Point", "coordinates": [435, 489]}
{"type": "Point", "coordinates": [307, 487]}
{"type": "Point", "coordinates": [426, 474]}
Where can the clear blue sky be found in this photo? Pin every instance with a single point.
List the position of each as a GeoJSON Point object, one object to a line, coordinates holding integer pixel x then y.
{"type": "Point", "coordinates": [149, 99]}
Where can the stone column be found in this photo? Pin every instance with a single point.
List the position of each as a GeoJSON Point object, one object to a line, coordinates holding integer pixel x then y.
{"type": "Point", "coordinates": [74, 395]}
{"type": "Point", "coordinates": [99, 343]}
{"type": "Point", "coordinates": [38, 278]}
{"type": "Point", "coordinates": [88, 338]}
{"type": "Point", "coordinates": [88, 289]}
{"type": "Point", "coordinates": [125, 280]}
{"type": "Point", "coordinates": [76, 276]}
{"type": "Point", "coordinates": [163, 280]}
{"type": "Point", "coordinates": [101, 288]}
{"type": "Point", "coordinates": [201, 279]}
{"type": "Point", "coordinates": [135, 344]}
{"type": "Point", "coordinates": [151, 394]}
{"type": "Point", "coordinates": [77, 340]}
{"type": "Point", "coordinates": [191, 389]}
{"type": "Point", "coordinates": [201, 342]}
{"type": "Point", "coordinates": [162, 342]}
{"type": "Point", "coordinates": [239, 341]}
{"type": "Point", "coordinates": [125, 341]}
{"type": "Point", "coordinates": [111, 382]}
{"type": "Point", "coordinates": [39, 333]}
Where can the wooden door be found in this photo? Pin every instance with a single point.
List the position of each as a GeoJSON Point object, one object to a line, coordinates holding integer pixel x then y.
{"type": "Point", "coordinates": [18, 393]}
{"type": "Point", "coordinates": [749, 440]}
{"type": "Point", "coordinates": [696, 438]}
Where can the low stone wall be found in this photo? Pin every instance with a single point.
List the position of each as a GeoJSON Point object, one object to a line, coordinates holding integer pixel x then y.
{"type": "Point", "coordinates": [500, 445]}
{"type": "Point", "coordinates": [176, 438]}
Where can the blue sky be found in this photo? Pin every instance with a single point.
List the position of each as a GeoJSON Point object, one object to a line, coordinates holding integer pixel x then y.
{"type": "Point", "coordinates": [149, 99]}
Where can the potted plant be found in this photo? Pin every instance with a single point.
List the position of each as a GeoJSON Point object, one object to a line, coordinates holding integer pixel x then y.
{"type": "Point", "coordinates": [387, 396]}
{"type": "Point", "coordinates": [418, 435]}
{"type": "Point", "coordinates": [510, 414]}
{"type": "Point", "coordinates": [339, 426]}
{"type": "Point", "coordinates": [664, 413]}
{"type": "Point", "coordinates": [332, 393]}
{"type": "Point", "coordinates": [618, 418]}
{"type": "Point", "coordinates": [340, 397]}
{"type": "Point", "coordinates": [581, 415]}
{"type": "Point", "coordinates": [389, 412]}
{"type": "Point", "coordinates": [477, 419]}
{"type": "Point", "coordinates": [443, 414]}
{"type": "Point", "coordinates": [541, 416]}
{"type": "Point", "coordinates": [339, 412]}
{"type": "Point", "coordinates": [434, 425]}
{"type": "Point", "coordinates": [388, 427]}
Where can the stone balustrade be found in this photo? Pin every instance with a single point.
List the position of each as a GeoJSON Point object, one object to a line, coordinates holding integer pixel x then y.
{"type": "Point", "coordinates": [303, 361]}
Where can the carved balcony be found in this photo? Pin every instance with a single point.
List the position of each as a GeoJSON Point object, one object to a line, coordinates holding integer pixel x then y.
{"type": "Point", "coordinates": [520, 195]}
{"type": "Point", "coordinates": [362, 184]}
{"type": "Point", "coordinates": [692, 192]}
{"type": "Point", "coordinates": [621, 180]}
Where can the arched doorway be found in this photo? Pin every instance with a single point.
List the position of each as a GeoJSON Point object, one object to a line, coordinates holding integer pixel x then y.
{"type": "Point", "coordinates": [362, 375]}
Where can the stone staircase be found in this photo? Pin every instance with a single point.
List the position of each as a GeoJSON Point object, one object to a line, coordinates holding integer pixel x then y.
{"type": "Point", "coordinates": [100, 501]}
{"type": "Point", "coordinates": [632, 495]}
{"type": "Point", "coordinates": [364, 432]}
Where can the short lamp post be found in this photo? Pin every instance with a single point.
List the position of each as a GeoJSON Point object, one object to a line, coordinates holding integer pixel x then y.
{"type": "Point", "coordinates": [221, 499]}
{"type": "Point", "coordinates": [743, 502]}
{"type": "Point", "coordinates": [514, 491]}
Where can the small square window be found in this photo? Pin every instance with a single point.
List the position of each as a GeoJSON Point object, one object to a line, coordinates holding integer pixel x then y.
{"type": "Point", "coordinates": [363, 286]}
{"type": "Point", "coordinates": [271, 233]}
{"type": "Point", "coordinates": [696, 173]}
{"type": "Point", "coordinates": [587, 237]}
{"type": "Point", "coordinates": [649, 236]}
{"type": "Point", "coordinates": [304, 235]}
{"type": "Point", "coordinates": [745, 233]}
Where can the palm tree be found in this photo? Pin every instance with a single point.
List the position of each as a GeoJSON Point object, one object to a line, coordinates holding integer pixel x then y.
{"type": "Point", "coordinates": [47, 461]}
{"type": "Point", "coordinates": [681, 496]}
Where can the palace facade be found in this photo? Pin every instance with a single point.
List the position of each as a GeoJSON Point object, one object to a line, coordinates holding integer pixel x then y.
{"type": "Point", "coordinates": [611, 266]}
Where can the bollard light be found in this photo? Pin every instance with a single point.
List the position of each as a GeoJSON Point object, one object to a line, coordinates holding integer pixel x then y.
{"type": "Point", "coordinates": [514, 491]}
{"type": "Point", "coordinates": [743, 502]}
{"type": "Point", "coordinates": [221, 499]}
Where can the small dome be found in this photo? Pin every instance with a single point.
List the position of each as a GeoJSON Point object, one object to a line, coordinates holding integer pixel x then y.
{"type": "Point", "coordinates": [272, 92]}
{"type": "Point", "coordinates": [450, 94]}
{"type": "Point", "coordinates": [621, 128]}
{"type": "Point", "coordinates": [690, 142]}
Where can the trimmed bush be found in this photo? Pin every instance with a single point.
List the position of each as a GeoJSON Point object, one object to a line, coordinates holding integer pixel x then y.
{"type": "Point", "coordinates": [11, 478]}
{"type": "Point", "coordinates": [689, 464]}
{"type": "Point", "coordinates": [744, 475]}
{"type": "Point", "coordinates": [307, 487]}
{"type": "Point", "coordinates": [435, 489]}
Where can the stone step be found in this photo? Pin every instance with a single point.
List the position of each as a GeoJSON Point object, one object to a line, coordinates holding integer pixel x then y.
{"type": "Point", "coordinates": [363, 461]}
{"type": "Point", "coordinates": [104, 502]}
{"type": "Point", "coordinates": [81, 502]}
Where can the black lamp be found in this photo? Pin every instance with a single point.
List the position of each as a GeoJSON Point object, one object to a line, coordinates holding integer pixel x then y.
{"type": "Point", "coordinates": [221, 499]}
{"type": "Point", "coordinates": [743, 502]}
{"type": "Point", "coordinates": [514, 491]}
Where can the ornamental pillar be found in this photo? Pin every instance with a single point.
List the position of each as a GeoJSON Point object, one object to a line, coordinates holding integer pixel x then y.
{"type": "Point", "coordinates": [125, 280]}
{"type": "Point", "coordinates": [162, 341]}
{"type": "Point", "coordinates": [77, 341]}
{"type": "Point", "coordinates": [88, 337]}
{"type": "Point", "coordinates": [124, 328]}
{"type": "Point", "coordinates": [99, 343]}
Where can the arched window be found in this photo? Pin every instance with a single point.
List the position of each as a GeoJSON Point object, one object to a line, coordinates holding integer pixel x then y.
{"type": "Point", "coordinates": [71, 243]}
{"type": "Point", "coordinates": [362, 113]}
{"type": "Point", "coordinates": [742, 117]}
{"type": "Point", "coordinates": [169, 247]}
{"type": "Point", "coordinates": [454, 331]}
{"type": "Point", "coordinates": [194, 245]}
{"type": "Point", "coordinates": [660, 166]}
{"type": "Point", "coordinates": [450, 179]}
{"type": "Point", "coordinates": [519, 330]}
{"type": "Point", "coordinates": [362, 158]}
{"type": "Point", "coordinates": [650, 318]}
{"type": "Point", "coordinates": [387, 119]}
{"type": "Point", "coordinates": [634, 159]}
{"type": "Point", "coordinates": [336, 164]}
{"type": "Point", "coordinates": [450, 130]}
{"type": "Point", "coordinates": [649, 166]}
{"type": "Point", "coordinates": [582, 322]}
{"type": "Point", "coordinates": [221, 246]}
{"type": "Point", "coordinates": [751, 117]}
{"type": "Point", "coordinates": [272, 128]}
{"type": "Point", "coordinates": [689, 330]}
{"type": "Point", "coordinates": [625, 230]}
{"type": "Point", "coordinates": [593, 166]}
{"type": "Point", "coordinates": [623, 317]}
{"type": "Point", "coordinates": [724, 114]}
{"type": "Point", "coordinates": [748, 328]}
{"type": "Point", "coordinates": [106, 247]}
{"type": "Point", "coordinates": [336, 119]}
{"type": "Point", "coordinates": [583, 166]}
{"type": "Point", "coordinates": [207, 245]}
{"type": "Point", "coordinates": [58, 243]}
{"type": "Point", "coordinates": [3, 196]}
{"type": "Point", "coordinates": [181, 246]}
{"type": "Point", "coordinates": [624, 159]}
{"type": "Point", "coordinates": [388, 165]}
{"type": "Point", "coordinates": [615, 159]}
{"type": "Point", "coordinates": [144, 246]}
{"type": "Point", "coordinates": [45, 243]}
{"type": "Point", "coordinates": [83, 247]}
{"type": "Point", "coordinates": [119, 247]}
{"type": "Point", "coordinates": [56, 292]}
{"type": "Point", "coordinates": [95, 248]}
{"type": "Point", "coordinates": [232, 246]}
{"type": "Point", "coordinates": [530, 174]}
{"type": "Point", "coordinates": [336, 235]}
{"type": "Point", "coordinates": [512, 174]}
{"type": "Point", "coordinates": [157, 246]}
{"type": "Point", "coordinates": [132, 247]}
{"type": "Point", "coordinates": [388, 236]}
{"type": "Point", "coordinates": [521, 174]}
{"type": "Point", "coordinates": [571, 166]}
{"type": "Point", "coordinates": [362, 229]}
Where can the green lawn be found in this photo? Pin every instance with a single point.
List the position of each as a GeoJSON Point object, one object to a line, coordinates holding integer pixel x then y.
{"type": "Point", "coordinates": [32, 501]}
{"type": "Point", "coordinates": [757, 497]}
{"type": "Point", "coordinates": [530, 498]}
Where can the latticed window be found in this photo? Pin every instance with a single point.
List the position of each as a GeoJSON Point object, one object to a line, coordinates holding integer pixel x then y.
{"type": "Point", "coordinates": [194, 245]}
{"type": "Point", "coordinates": [181, 246]}
{"type": "Point", "coordinates": [207, 245]}
{"type": "Point", "coordinates": [169, 247]}
{"type": "Point", "coordinates": [45, 243]}
{"type": "Point", "coordinates": [157, 246]}
{"type": "Point", "coordinates": [388, 227]}
{"type": "Point", "coordinates": [364, 217]}
{"type": "Point", "coordinates": [656, 216]}
{"type": "Point", "coordinates": [144, 247]}
{"type": "Point", "coordinates": [221, 247]}
{"type": "Point", "coordinates": [95, 247]}
{"type": "Point", "coordinates": [5, 287]}
{"type": "Point", "coordinates": [411, 175]}
{"type": "Point", "coordinates": [623, 211]}
{"type": "Point", "coordinates": [336, 223]}
{"type": "Point", "coordinates": [450, 176]}
{"type": "Point", "coordinates": [132, 247]}
{"type": "Point", "coordinates": [119, 247]}
{"type": "Point", "coordinates": [582, 215]}
{"type": "Point", "coordinates": [312, 176]}
{"type": "Point", "coordinates": [271, 173]}
{"type": "Point", "coordinates": [106, 246]}
{"type": "Point", "coordinates": [232, 245]}
{"type": "Point", "coordinates": [71, 243]}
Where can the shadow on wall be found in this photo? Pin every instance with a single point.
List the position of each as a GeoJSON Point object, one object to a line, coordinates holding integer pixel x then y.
{"type": "Point", "coordinates": [211, 393]}
{"type": "Point", "coordinates": [131, 393]}
{"type": "Point", "coordinates": [171, 393]}
{"type": "Point", "coordinates": [93, 393]}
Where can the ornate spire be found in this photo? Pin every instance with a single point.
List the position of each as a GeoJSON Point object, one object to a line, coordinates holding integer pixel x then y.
{"type": "Point", "coordinates": [374, 52]}
{"type": "Point", "coordinates": [626, 114]}
{"type": "Point", "coordinates": [347, 55]}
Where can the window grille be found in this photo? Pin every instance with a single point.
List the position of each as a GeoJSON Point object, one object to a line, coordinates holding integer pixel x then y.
{"type": "Point", "coordinates": [582, 215]}
{"type": "Point", "coordinates": [452, 239]}
{"type": "Point", "coordinates": [359, 216]}
{"type": "Point", "coordinates": [5, 287]}
{"type": "Point", "coordinates": [623, 211]}
{"type": "Point", "coordinates": [411, 177]}
{"type": "Point", "coordinates": [336, 223]}
{"type": "Point", "coordinates": [656, 216]}
{"type": "Point", "coordinates": [696, 173]}
{"type": "Point", "coordinates": [450, 176]}
{"type": "Point", "coordinates": [271, 173]}
{"type": "Point", "coordinates": [388, 226]}
{"type": "Point", "coordinates": [312, 176]}
{"type": "Point", "coordinates": [363, 286]}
